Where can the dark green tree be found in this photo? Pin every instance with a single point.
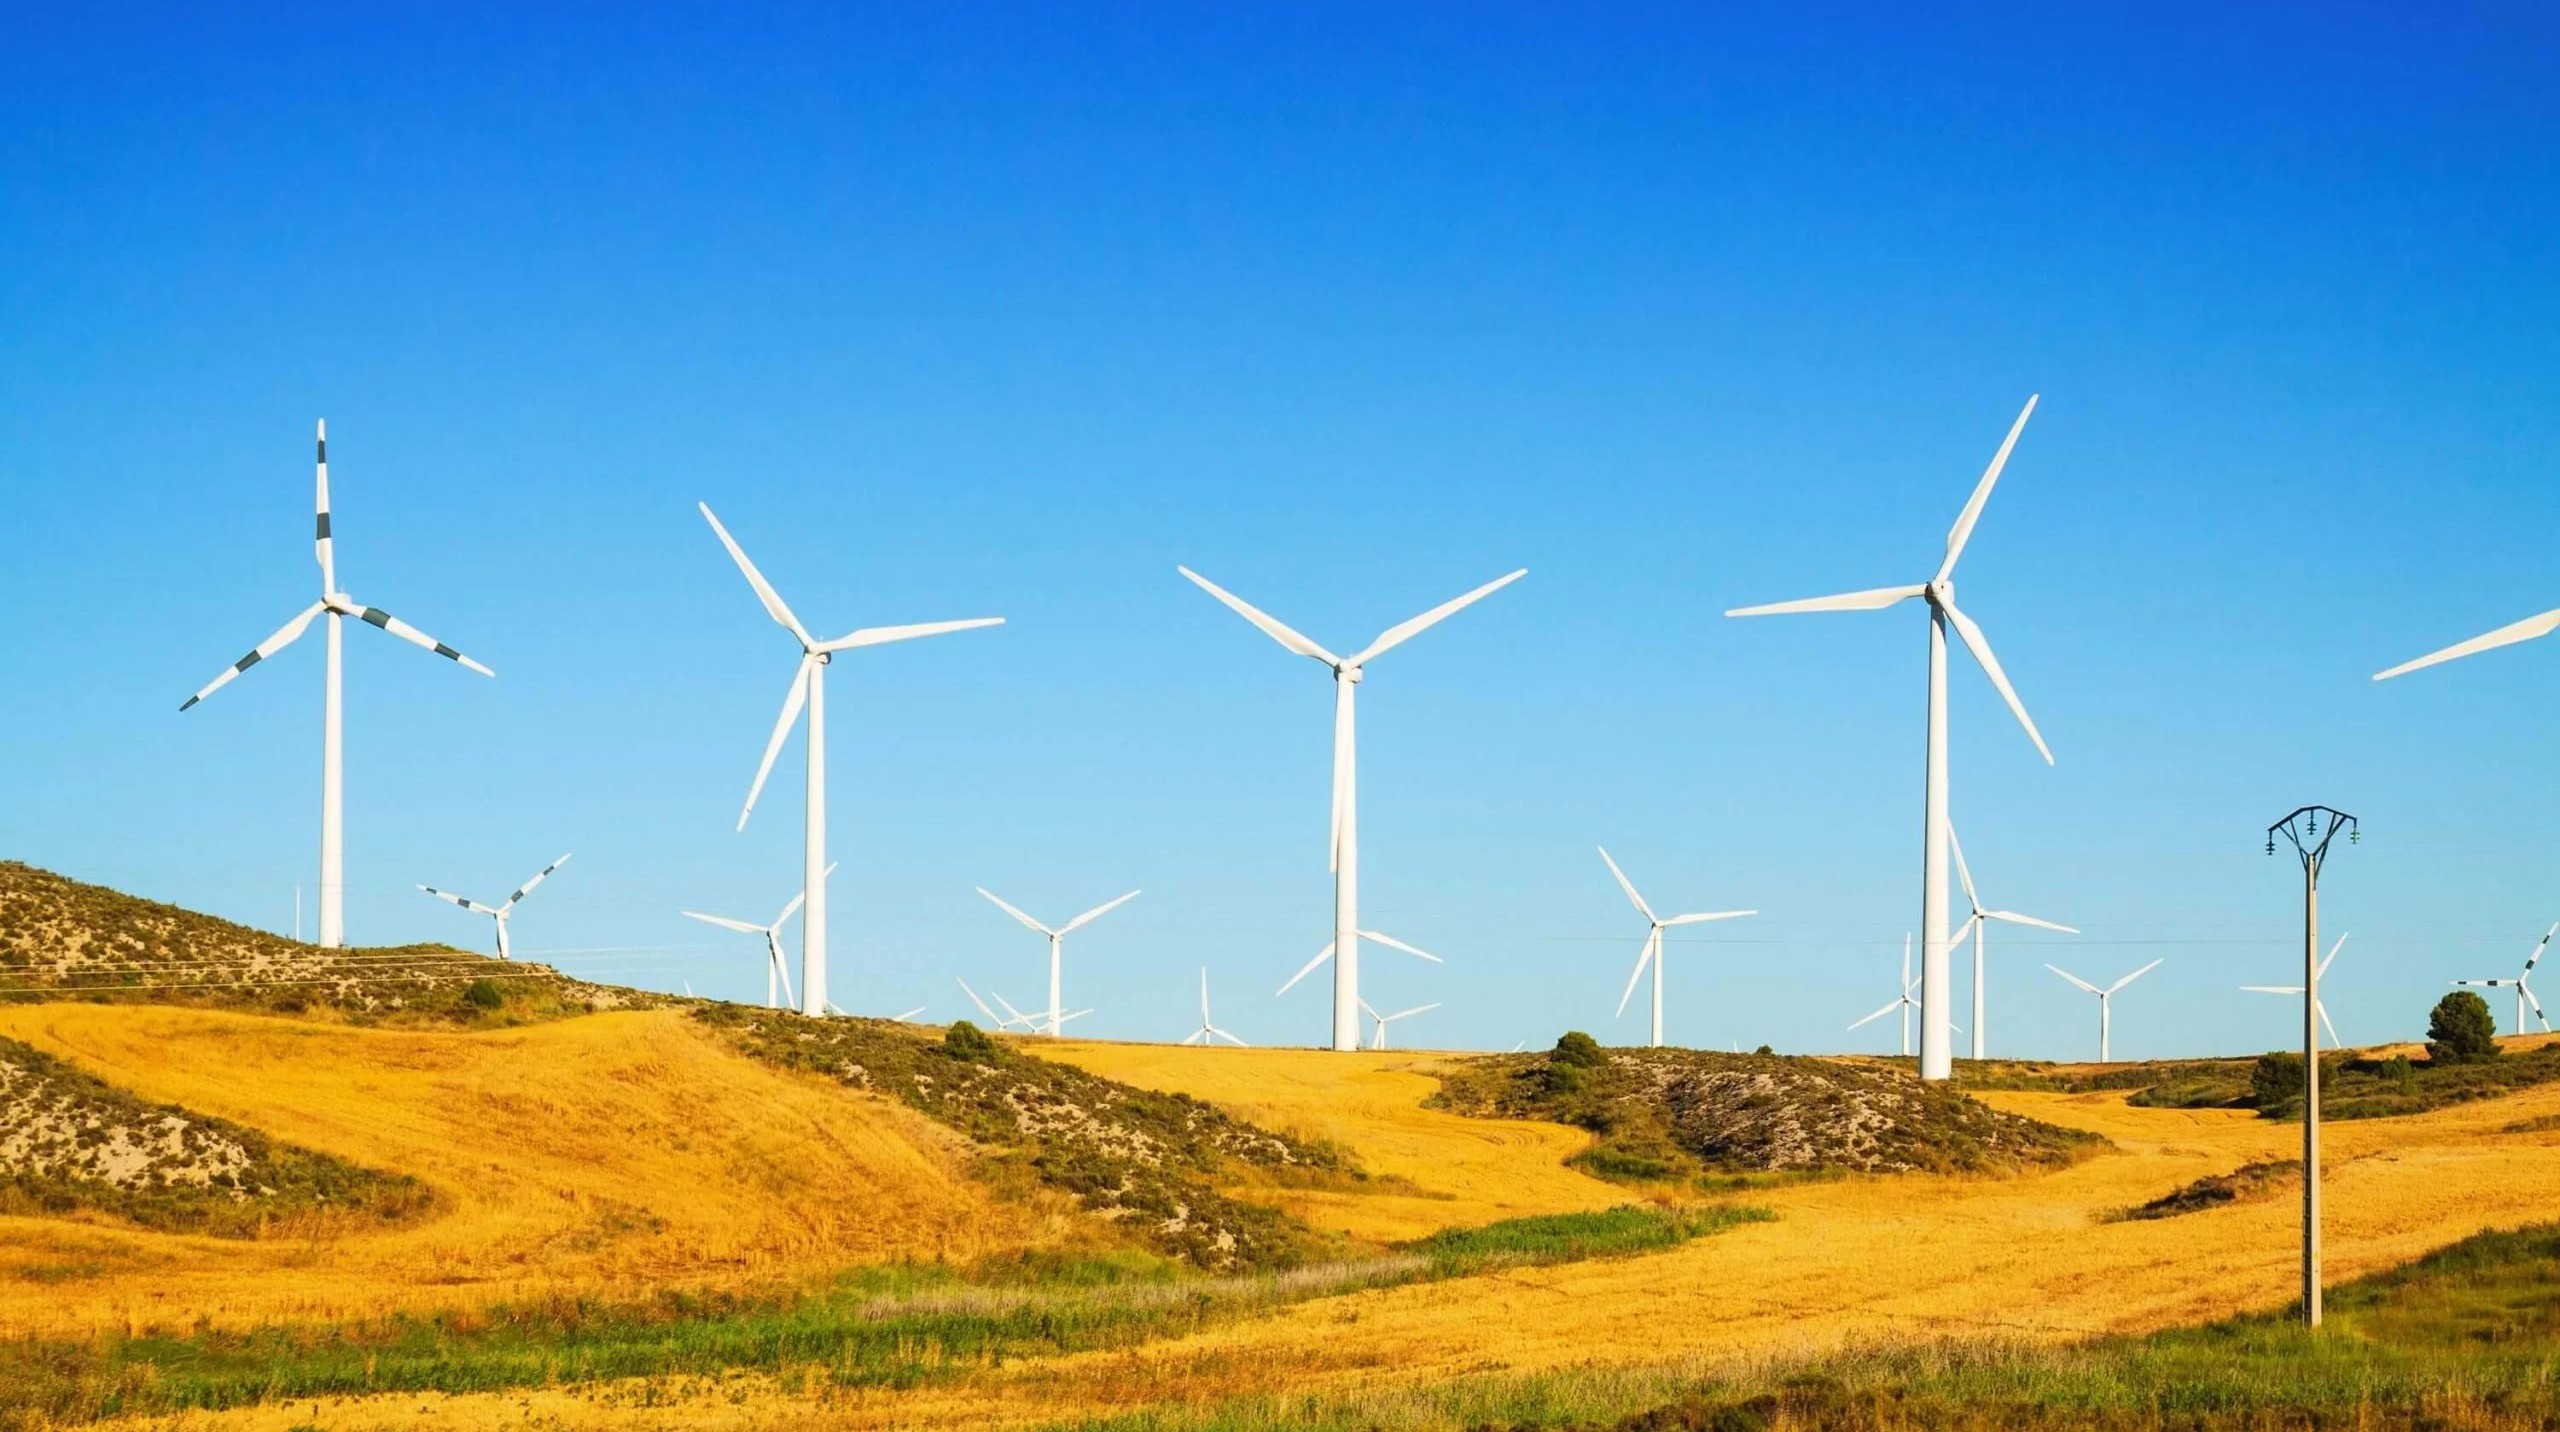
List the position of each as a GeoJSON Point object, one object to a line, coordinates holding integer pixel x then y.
{"type": "Point", "coordinates": [1579, 1050]}
{"type": "Point", "coordinates": [968, 1042]}
{"type": "Point", "coordinates": [2461, 1030]}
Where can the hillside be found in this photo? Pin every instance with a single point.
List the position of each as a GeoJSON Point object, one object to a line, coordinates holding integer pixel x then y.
{"type": "Point", "coordinates": [1673, 1114]}
{"type": "Point", "coordinates": [2354, 1083]}
{"type": "Point", "coordinates": [62, 939]}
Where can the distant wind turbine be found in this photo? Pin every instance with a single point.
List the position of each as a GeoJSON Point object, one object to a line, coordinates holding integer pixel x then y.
{"type": "Point", "coordinates": [499, 912]}
{"type": "Point", "coordinates": [1379, 1039]}
{"type": "Point", "coordinates": [1651, 953]}
{"type": "Point", "coordinates": [1057, 939]}
{"type": "Point", "coordinates": [1905, 1002]}
{"type": "Point", "coordinates": [809, 688]}
{"type": "Point", "coordinates": [994, 1019]}
{"type": "Point", "coordinates": [2524, 991]}
{"type": "Point", "coordinates": [1344, 948]}
{"type": "Point", "coordinates": [1936, 1049]}
{"type": "Point", "coordinates": [1209, 1032]}
{"type": "Point", "coordinates": [777, 974]}
{"type": "Point", "coordinates": [1978, 922]}
{"type": "Point", "coordinates": [338, 605]}
{"type": "Point", "coordinates": [2106, 997]}
{"type": "Point", "coordinates": [2325, 961]}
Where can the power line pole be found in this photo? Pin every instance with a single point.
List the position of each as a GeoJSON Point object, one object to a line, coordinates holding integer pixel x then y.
{"type": "Point", "coordinates": [2310, 830]}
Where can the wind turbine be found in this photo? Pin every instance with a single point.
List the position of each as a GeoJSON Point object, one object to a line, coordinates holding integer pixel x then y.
{"type": "Point", "coordinates": [1209, 1032]}
{"type": "Point", "coordinates": [1903, 1002]}
{"type": "Point", "coordinates": [775, 971]}
{"type": "Point", "coordinates": [500, 912]}
{"type": "Point", "coordinates": [836, 1009]}
{"type": "Point", "coordinates": [1379, 1040]}
{"type": "Point", "coordinates": [1976, 923]}
{"type": "Point", "coordinates": [1936, 1049]}
{"type": "Point", "coordinates": [2325, 961]}
{"type": "Point", "coordinates": [1651, 954]}
{"type": "Point", "coordinates": [2524, 991]}
{"type": "Point", "coordinates": [1344, 948]}
{"type": "Point", "coordinates": [1058, 939]}
{"type": "Point", "coordinates": [809, 688]}
{"type": "Point", "coordinates": [2107, 994]}
{"type": "Point", "coordinates": [1011, 1018]}
{"type": "Point", "coordinates": [338, 606]}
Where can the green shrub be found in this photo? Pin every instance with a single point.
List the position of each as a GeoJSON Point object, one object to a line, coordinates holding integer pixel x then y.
{"type": "Point", "coordinates": [2461, 1030]}
{"type": "Point", "coordinates": [1578, 1050]}
{"type": "Point", "coordinates": [483, 994]}
{"type": "Point", "coordinates": [968, 1042]}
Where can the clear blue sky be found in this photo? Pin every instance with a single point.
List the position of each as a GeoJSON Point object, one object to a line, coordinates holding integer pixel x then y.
{"type": "Point", "coordinates": [959, 310]}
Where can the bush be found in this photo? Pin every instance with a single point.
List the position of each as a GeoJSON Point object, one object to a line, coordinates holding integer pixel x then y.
{"type": "Point", "coordinates": [967, 1041]}
{"type": "Point", "coordinates": [2277, 1079]}
{"type": "Point", "coordinates": [1579, 1050]}
{"type": "Point", "coordinates": [2461, 1030]}
{"type": "Point", "coordinates": [483, 994]}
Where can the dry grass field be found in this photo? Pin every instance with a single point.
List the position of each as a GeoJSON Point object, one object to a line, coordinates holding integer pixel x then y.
{"type": "Point", "coordinates": [2027, 1259]}
{"type": "Point", "coordinates": [613, 1154]}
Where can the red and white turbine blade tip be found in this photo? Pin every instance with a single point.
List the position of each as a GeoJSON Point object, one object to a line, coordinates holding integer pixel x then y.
{"type": "Point", "coordinates": [1871, 600]}
{"type": "Point", "coordinates": [377, 617]}
{"type": "Point", "coordinates": [2507, 635]}
{"type": "Point", "coordinates": [1962, 532]}
{"type": "Point", "coordinates": [791, 704]}
{"type": "Point", "coordinates": [1412, 627]}
{"type": "Point", "coordinates": [1624, 883]}
{"type": "Point", "coordinates": [284, 636]}
{"type": "Point", "coordinates": [773, 604]}
{"type": "Point", "coordinates": [1980, 646]}
{"type": "Point", "coordinates": [1271, 626]}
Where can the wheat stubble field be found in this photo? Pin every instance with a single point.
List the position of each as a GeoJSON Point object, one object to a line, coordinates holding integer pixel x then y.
{"type": "Point", "coordinates": [612, 1151]}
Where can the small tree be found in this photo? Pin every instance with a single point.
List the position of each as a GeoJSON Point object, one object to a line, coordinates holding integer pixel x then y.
{"type": "Point", "coordinates": [1579, 1050]}
{"type": "Point", "coordinates": [967, 1041]}
{"type": "Point", "coordinates": [2461, 1030]}
{"type": "Point", "coordinates": [483, 994]}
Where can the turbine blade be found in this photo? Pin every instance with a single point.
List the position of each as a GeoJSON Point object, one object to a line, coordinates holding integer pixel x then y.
{"type": "Point", "coordinates": [743, 927]}
{"type": "Point", "coordinates": [1962, 532]}
{"type": "Point", "coordinates": [782, 967]}
{"type": "Point", "coordinates": [1195, 1036]}
{"type": "Point", "coordinates": [1073, 1014]}
{"type": "Point", "coordinates": [1392, 943]}
{"type": "Point", "coordinates": [2539, 946]}
{"type": "Point", "coordinates": [2527, 991]}
{"type": "Point", "coordinates": [1963, 873]}
{"type": "Point", "coordinates": [791, 704]}
{"type": "Point", "coordinates": [284, 636]}
{"type": "Point", "coordinates": [1204, 996]}
{"type": "Point", "coordinates": [2332, 957]}
{"type": "Point", "coordinates": [1644, 956]}
{"type": "Point", "coordinates": [1271, 626]}
{"type": "Point", "coordinates": [1231, 1039]}
{"type": "Point", "coordinates": [1309, 968]}
{"type": "Point", "coordinates": [1409, 1013]}
{"type": "Point", "coordinates": [1871, 600]}
{"type": "Point", "coordinates": [2137, 974]}
{"type": "Point", "coordinates": [2508, 635]}
{"type": "Point", "coordinates": [1366, 1009]}
{"type": "Point", "coordinates": [376, 616]}
{"type": "Point", "coordinates": [2271, 989]}
{"type": "Point", "coordinates": [1980, 646]}
{"type": "Point", "coordinates": [803, 897]}
{"type": "Point", "coordinates": [2075, 979]}
{"type": "Point", "coordinates": [1625, 884]}
{"type": "Point", "coordinates": [1096, 913]}
{"type": "Point", "coordinates": [2014, 918]}
{"type": "Point", "coordinates": [1008, 909]}
{"type": "Point", "coordinates": [1700, 919]}
{"type": "Point", "coordinates": [973, 999]}
{"type": "Point", "coordinates": [765, 593]}
{"type": "Point", "coordinates": [910, 1014]}
{"type": "Point", "coordinates": [1412, 627]}
{"type": "Point", "coordinates": [321, 543]}
{"type": "Point", "coordinates": [538, 877]}
{"type": "Point", "coordinates": [882, 636]}
{"type": "Point", "coordinates": [447, 896]}
{"type": "Point", "coordinates": [2322, 1008]}
{"type": "Point", "coordinates": [1879, 1014]}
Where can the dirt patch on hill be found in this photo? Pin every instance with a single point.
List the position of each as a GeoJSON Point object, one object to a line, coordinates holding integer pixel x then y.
{"type": "Point", "coordinates": [1679, 1114]}
{"type": "Point", "coordinates": [71, 1145]}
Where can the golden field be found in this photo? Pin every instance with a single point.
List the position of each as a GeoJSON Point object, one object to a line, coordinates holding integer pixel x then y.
{"type": "Point", "coordinates": [562, 1135]}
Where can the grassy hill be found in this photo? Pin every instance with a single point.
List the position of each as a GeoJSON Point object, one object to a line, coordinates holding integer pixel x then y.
{"type": "Point", "coordinates": [1677, 1114]}
{"type": "Point", "coordinates": [2354, 1084]}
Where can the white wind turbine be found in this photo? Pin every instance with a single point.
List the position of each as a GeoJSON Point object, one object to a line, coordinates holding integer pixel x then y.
{"type": "Point", "coordinates": [1379, 1039]}
{"type": "Point", "coordinates": [502, 911]}
{"type": "Point", "coordinates": [2325, 961]}
{"type": "Point", "coordinates": [1936, 1049]}
{"type": "Point", "coordinates": [777, 977]}
{"type": "Point", "coordinates": [809, 688]}
{"type": "Point", "coordinates": [1209, 1032]}
{"type": "Point", "coordinates": [2524, 991]}
{"type": "Point", "coordinates": [1976, 923]}
{"type": "Point", "coordinates": [2106, 997]}
{"type": "Point", "coordinates": [1058, 940]}
{"type": "Point", "coordinates": [1651, 954]}
{"type": "Point", "coordinates": [1011, 1018]}
{"type": "Point", "coordinates": [1903, 1002]}
{"type": "Point", "coordinates": [1344, 948]}
{"type": "Point", "coordinates": [338, 605]}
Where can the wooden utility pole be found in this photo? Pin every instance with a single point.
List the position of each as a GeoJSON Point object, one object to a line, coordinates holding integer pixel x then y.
{"type": "Point", "coordinates": [2310, 830]}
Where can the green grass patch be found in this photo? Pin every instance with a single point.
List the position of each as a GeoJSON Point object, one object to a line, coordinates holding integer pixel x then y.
{"type": "Point", "coordinates": [888, 1327]}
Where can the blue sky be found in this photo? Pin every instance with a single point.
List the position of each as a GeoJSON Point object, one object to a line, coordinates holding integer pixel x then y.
{"type": "Point", "coordinates": [959, 310]}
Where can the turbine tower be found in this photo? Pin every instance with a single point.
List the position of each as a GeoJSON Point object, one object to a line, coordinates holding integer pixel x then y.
{"type": "Point", "coordinates": [1058, 940]}
{"type": "Point", "coordinates": [1936, 1051]}
{"type": "Point", "coordinates": [338, 605]}
{"type": "Point", "coordinates": [2524, 991]}
{"type": "Point", "coordinates": [1344, 948]}
{"type": "Point", "coordinates": [1209, 1032]}
{"type": "Point", "coordinates": [1976, 923]}
{"type": "Point", "coordinates": [1651, 953]}
{"type": "Point", "coordinates": [502, 911]}
{"type": "Point", "coordinates": [2105, 997]}
{"type": "Point", "coordinates": [777, 978]}
{"type": "Point", "coordinates": [2319, 1006]}
{"type": "Point", "coordinates": [1379, 1039]}
{"type": "Point", "coordinates": [809, 688]}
